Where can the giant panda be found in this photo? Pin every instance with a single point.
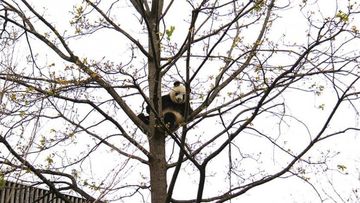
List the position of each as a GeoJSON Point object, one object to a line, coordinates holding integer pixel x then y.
{"type": "Point", "coordinates": [173, 107]}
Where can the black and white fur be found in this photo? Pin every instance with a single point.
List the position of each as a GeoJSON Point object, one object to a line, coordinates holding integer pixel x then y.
{"type": "Point", "coordinates": [173, 107]}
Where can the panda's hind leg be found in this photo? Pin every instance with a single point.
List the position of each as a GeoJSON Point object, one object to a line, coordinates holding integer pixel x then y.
{"type": "Point", "coordinates": [170, 120]}
{"type": "Point", "coordinates": [144, 118]}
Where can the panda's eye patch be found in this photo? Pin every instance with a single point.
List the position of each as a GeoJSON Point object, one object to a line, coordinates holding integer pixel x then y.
{"type": "Point", "coordinates": [177, 93]}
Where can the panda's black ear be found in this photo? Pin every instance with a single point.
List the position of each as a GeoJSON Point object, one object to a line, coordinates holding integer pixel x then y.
{"type": "Point", "coordinates": [177, 83]}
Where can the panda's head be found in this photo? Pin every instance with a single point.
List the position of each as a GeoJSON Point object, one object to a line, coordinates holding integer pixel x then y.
{"type": "Point", "coordinates": [178, 93]}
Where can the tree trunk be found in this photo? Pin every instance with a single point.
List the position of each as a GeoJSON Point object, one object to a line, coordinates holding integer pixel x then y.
{"type": "Point", "coordinates": [157, 160]}
{"type": "Point", "coordinates": [158, 169]}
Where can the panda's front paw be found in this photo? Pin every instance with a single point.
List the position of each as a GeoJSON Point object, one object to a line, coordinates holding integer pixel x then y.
{"type": "Point", "coordinates": [171, 126]}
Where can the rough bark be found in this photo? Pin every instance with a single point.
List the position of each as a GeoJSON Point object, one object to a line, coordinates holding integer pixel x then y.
{"type": "Point", "coordinates": [157, 165]}
{"type": "Point", "coordinates": [157, 160]}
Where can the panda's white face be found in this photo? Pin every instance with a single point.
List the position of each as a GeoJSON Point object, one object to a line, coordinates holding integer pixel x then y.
{"type": "Point", "coordinates": [178, 93]}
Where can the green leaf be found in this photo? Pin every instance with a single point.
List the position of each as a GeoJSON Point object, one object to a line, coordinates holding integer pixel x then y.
{"type": "Point", "coordinates": [169, 32]}
{"type": "Point", "coordinates": [49, 160]}
{"type": "Point", "coordinates": [259, 4]}
{"type": "Point", "coordinates": [343, 16]}
{"type": "Point", "coordinates": [42, 141]}
{"type": "Point", "coordinates": [321, 106]}
{"type": "Point", "coordinates": [13, 97]}
{"type": "Point", "coordinates": [22, 114]}
{"type": "Point", "coordinates": [341, 167]}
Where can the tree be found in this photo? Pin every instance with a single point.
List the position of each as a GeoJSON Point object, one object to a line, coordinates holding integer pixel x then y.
{"type": "Point", "coordinates": [74, 77]}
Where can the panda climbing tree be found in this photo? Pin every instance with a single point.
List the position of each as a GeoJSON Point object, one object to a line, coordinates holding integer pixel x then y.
{"type": "Point", "coordinates": [173, 108]}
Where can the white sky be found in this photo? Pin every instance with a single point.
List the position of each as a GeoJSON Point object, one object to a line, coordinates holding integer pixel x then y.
{"type": "Point", "coordinates": [280, 190]}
